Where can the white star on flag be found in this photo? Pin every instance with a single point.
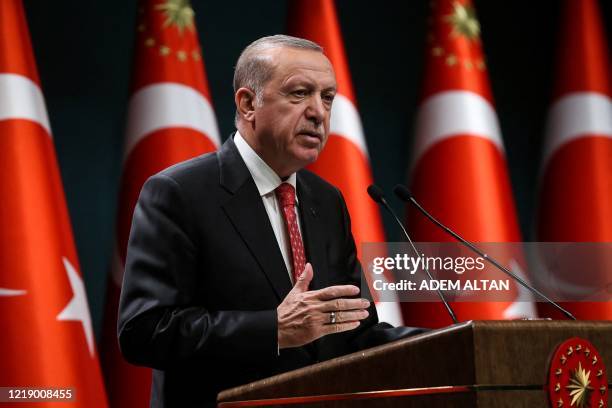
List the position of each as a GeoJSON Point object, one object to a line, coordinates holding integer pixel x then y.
{"type": "Point", "coordinates": [77, 309]}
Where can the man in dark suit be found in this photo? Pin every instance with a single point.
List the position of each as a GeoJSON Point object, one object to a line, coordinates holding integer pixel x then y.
{"type": "Point", "coordinates": [240, 264]}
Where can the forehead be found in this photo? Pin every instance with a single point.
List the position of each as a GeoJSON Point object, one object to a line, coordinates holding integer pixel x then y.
{"type": "Point", "coordinates": [296, 63]}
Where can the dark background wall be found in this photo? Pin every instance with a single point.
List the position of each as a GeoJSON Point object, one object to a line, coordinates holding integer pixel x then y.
{"type": "Point", "coordinates": [83, 50]}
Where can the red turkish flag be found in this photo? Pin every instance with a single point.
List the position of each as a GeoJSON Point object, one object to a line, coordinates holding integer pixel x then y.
{"type": "Point", "coordinates": [459, 168]}
{"type": "Point", "coordinates": [47, 338]}
{"type": "Point", "coordinates": [344, 162]}
{"type": "Point", "coordinates": [576, 184]}
{"type": "Point", "coordinates": [170, 119]}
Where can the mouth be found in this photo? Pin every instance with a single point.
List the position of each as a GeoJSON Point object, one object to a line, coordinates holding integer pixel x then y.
{"type": "Point", "coordinates": [311, 135]}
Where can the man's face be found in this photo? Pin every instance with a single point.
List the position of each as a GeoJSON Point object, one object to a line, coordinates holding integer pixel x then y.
{"type": "Point", "coordinates": [292, 122]}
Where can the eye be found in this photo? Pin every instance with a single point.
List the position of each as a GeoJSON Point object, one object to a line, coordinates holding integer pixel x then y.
{"type": "Point", "coordinates": [328, 97]}
{"type": "Point", "coordinates": [300, 93]}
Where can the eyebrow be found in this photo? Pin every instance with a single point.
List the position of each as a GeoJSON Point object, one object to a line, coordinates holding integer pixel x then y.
{"type": "Point", "coordinates": [332, 89]}
{"type": "Point", "coordinates": [297, 81]}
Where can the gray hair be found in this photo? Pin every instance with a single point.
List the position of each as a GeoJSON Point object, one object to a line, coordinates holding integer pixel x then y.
{"type": "Point", "coordinates": [253, 69]}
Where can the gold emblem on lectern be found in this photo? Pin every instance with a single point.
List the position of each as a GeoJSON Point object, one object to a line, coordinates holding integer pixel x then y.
{"type": "Point", "coordinates": [580, 386]}
{"type": "Point", "coordinates": [577, 376]}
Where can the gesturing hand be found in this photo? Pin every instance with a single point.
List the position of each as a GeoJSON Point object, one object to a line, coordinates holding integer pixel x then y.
{"type": "Point", "coordinates": [304, 316]}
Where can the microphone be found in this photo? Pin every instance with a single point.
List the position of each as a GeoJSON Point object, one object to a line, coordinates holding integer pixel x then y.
{"type": "Point", "coordinates": [405, 195]}
{"type": "Point", "coordinates": [376, 193]}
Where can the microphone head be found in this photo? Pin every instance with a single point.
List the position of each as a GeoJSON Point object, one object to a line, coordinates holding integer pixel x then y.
{"type": "Point", "coordinates": [376, 193]}
{"type": "Point", "coordinates": [402, 192]}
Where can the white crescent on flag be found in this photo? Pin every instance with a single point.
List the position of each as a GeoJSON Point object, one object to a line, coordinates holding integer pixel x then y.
{"type": "Point", "coordinates": [169, 105]}
{"type": "Point", "coordinates": [451, 113]}
{"type": "Point", "coordinates": [576, 115]}
{"type": "Point", "coordinates": [21, 98]}
{"type": "Point", "coordinates": [345, 122]}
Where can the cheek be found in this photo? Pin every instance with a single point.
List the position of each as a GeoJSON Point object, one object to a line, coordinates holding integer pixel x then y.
{"type": "Point", "coordinates": [288, 118]}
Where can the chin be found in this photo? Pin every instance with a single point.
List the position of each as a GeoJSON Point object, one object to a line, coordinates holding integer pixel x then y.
{"type": "Point", "coordinates": [305, 156]}
{"type": "Point", "coordinates": [310, 158]}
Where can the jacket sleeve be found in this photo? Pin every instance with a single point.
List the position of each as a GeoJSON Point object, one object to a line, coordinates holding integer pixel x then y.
{"type": "Point", "coordinates": [161, 322]}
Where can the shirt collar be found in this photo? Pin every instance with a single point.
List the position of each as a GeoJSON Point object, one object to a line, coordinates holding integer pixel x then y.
{"type": "Point", "coordinates": [265, 178]}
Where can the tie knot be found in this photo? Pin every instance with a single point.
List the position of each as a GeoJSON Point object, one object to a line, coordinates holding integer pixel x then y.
{"type": "Point", "coordinates": [286, 194]}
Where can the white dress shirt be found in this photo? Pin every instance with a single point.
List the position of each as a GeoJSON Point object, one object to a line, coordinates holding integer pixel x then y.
{"type": "Point", "coordinates": [267, 181]}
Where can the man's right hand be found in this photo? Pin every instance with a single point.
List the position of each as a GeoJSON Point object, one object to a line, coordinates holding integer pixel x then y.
{"type": "Point", "coordinates": [304, 316]}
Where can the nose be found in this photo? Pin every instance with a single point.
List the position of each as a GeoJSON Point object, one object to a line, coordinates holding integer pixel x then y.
{"type": "Point", "coordinates": [316, 111]}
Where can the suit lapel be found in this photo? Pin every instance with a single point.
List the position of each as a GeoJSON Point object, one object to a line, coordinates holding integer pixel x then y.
{"type": "Point", "coordinates": [313, 233]}
{"type": "Point", "coordinates": [247, 213]}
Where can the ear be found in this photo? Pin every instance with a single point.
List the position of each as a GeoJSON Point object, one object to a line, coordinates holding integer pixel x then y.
{"type": "Point", "coordinates": [245, 104]}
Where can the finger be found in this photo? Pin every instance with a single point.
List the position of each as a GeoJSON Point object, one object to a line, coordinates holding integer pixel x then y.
{"type": "Point", "coordinates": [344, 304]}
{"type": "Point", "coordinates": [339, 327]}
{"type": "Point", "coordinates": [333, 292]}
{"type": "Point", "coordinates": [352, 316]}
{"type": "Point", "coordinates": [301, 285]}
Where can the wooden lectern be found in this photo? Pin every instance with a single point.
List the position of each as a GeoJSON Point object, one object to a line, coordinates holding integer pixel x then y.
{"type": "Point", "coordinates": [473, 364]}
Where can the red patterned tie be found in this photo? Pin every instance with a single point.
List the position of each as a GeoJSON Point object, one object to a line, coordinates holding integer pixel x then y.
{"type": "Point", "coordinates": [286, 197]}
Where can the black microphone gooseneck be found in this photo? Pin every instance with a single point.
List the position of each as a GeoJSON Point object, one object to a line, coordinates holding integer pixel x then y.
{"type": "Point", "coordinates": [377, 194]}
{"type": "Point", "coordinates": [405, 195]}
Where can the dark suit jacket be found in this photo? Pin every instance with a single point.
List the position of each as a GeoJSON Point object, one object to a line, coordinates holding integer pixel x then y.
{"type": "Point", "coordinates": [204, 276]}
